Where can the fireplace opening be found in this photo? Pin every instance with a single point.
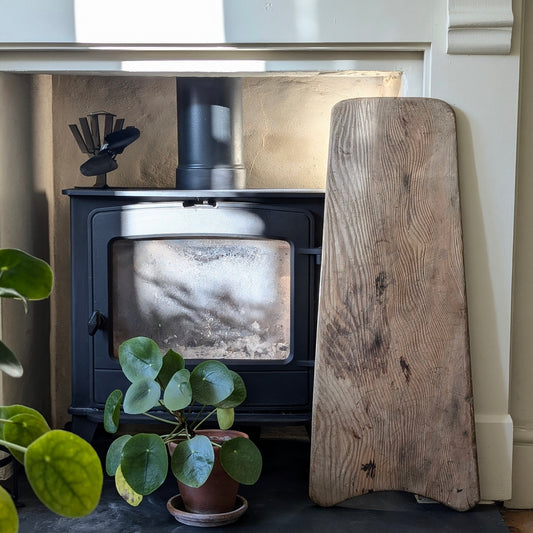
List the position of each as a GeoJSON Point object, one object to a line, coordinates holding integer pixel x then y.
{"type": "Point", "coordinates": [213, 273]}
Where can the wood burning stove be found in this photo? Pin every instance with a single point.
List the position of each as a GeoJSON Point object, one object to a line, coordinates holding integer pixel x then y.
{"type": "Point", "coordinates": [211, 274]}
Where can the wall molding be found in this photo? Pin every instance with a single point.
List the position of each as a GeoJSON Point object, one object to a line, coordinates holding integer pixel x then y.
{"type": "Point", "coordinates": [479, 27]}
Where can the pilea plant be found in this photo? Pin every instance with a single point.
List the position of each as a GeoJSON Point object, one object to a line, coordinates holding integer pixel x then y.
{"type": "Point", "coordinates": [63, 470]}
{"type": "Point", "coordinates": [162, 385]}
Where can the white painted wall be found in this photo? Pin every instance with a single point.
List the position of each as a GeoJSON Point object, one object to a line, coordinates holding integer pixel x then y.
{"type": "Point", "coordinates": [254, 35]}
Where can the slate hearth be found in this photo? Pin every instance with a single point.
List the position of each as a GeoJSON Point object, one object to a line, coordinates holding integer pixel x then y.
{"type": "Point", "coordinates": [277, 503]}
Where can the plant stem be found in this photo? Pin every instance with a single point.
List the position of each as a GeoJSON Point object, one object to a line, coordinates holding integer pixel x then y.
{"type": "Point", "coordinates": [198, 416]}
{"type": "Point", "coordinates": [5, 421]}
{"type": "Point", "coordinates": [160, 419]}
{"type": "Point", "coordinates": [204, 419]}
{"type": "Point", "coordinates": [12, 445]}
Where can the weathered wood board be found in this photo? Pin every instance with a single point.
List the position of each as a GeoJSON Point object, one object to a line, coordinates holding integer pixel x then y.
{"type": "Point", "coordinates": [392, 403]}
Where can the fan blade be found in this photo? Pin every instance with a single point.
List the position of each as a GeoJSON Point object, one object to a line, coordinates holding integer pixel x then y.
{"type": "Point", "coordinates": [118, 124]}
{"type": "Point", "coordinates": [100, 163]}
{"type": "Point", "coordinates": [79, 139]}
{"type": "Point", "coordinates": [118, 140]}
{"type": "Point", "coordinates": [95, 131]}
{"type": "Point", "coordinates": [87, 135]}
{"type": "Point", "coordinates": [108, 126]}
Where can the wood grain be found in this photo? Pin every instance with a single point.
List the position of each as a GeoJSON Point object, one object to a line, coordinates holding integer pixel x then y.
{"type": "Point", "coordinates": [392, 404]}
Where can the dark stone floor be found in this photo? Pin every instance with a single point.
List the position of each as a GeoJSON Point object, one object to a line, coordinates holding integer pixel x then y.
{"type": "Point", "coordinates": [277, 503]}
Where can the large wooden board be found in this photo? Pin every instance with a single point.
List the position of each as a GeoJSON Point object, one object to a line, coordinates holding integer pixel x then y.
{"type": "Point", "coordinates": [392, 404]}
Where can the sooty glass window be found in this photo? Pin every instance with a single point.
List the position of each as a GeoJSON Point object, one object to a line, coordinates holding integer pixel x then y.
{"type": "Point", "coordinates": [204, 297]}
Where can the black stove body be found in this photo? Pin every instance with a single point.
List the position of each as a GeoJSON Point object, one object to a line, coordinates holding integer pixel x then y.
{"type": "Point", "coordinates": [211, 274]}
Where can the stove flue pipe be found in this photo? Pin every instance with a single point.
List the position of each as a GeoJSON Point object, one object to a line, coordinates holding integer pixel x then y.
{"type": "Point", "coordinates": [209, 134]}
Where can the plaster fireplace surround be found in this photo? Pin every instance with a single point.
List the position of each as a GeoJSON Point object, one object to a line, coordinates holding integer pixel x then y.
{"type": "Point", "coordinates": [63, 59]}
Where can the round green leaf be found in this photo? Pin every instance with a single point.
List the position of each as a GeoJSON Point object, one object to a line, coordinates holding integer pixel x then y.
{"type": "Point", "coordinates": [112, 411]}
{"type": "Point", "coordinates": [65, 473]}
{"type": "Point", "coordinates": [23, 429]}
{"type": "Point", "coordinates": [114, 454]}
{"type": "Point", "coordinates": [144, 462]}
{"type": "Point", "coordinates": [9, 362]}
{"type": "Point", "coordinates": [172, 363]}
{"type": "Point", "coordinates": [178, 393]}
{"type": "Point", "coordinates": [29, 276]}
{"type": "Point", "coordinates": [126, 492]}
{"type": "Point", "coordinates": [9, 411]}
{"type": "Point", "coordinates": [140, 357]}
{"type": "Point", "coordinates": [211, 382]}
{"type": "Point", "coordinates": [237, 396]}
{"type": "Point", "coordinates": [225, 417]}
{"type": "Point", "coordinates": [141, 396]}
{"type": "Point", "coordinates": [192, 461]}
{"type": "Point", "coordinates": [9, 520]}
{"type": "Point", "coordinates": [242, 460]}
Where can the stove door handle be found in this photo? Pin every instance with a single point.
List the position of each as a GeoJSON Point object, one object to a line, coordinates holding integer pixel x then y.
{"type": "Point", "coordinates": [96, 321]}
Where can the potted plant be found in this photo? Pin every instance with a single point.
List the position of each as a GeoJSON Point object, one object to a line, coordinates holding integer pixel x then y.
{"type": "Point", "coordinates": [63, 470]}
{"type": "Point", "coordinates": [163, 389]}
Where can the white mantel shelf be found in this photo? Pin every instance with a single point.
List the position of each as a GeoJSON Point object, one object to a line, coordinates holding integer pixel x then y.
{"type": "Point", "coordinates": [473, 26]}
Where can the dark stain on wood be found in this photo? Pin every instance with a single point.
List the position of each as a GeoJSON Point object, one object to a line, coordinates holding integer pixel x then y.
{"type": "Point", "coordinates": [381, 284]}
{"type": "Point", "coordinates": [406, 180]}
{"type": "Point", "coordinates": [338, 331]}
{"type": "Point", "coordinates": [406, 369]}
{"type": "Point", "coordinates": [376, 351]}
{"type": "Point", "coordinates": [370, 469]}
{"type": "Point", "coordinates": [377, 343]}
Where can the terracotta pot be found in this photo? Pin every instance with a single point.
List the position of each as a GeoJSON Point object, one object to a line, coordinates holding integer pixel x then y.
{"type": "Point", "coordinates": [219, 493]}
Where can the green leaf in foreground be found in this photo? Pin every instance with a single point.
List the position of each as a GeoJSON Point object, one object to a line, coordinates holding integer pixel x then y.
{"type": "Point", "coordinates": [9, 520]}
{"type": "Point", "coordinates": [65, 473]}
{"type": "Point", "coordinates": [140, 357]}
{"type": "Point", "coordinates": [23, 430]}
{"type": "Point", "coordinates": [114, 454]}
{"type": "Point", "coordinates": [29, 276]}
{"type": "Point", "coordinates": [9, 411]}
{"type": "Point", "coordinates": [141, 396]}
{"type": "Point", "coordinates": [192, 461]}
{"type": "Point", "coordinates": [178, 393]}
{"type": "Point", "coordinates": [211, 382]}
{"type": "Point", "coordinates": [225, 417]}
{"type": "Point", "coordinates": [172, 363]}
{"type": "Point", "coordinates": [126, 492]}
{"type": "Point", "coordinates": [237, 396]}
{"type": "Point", "coordinates": [9, 362]}
{"type": "Point", "coordinates": [112, 411]}
{"type": "Point", "coordinates": [144, 462]}
{"type": "Point", "coordinates": [241, 459]}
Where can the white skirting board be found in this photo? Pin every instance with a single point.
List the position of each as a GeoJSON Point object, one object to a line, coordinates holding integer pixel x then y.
{"type": "Point", "coordinates": [494, 436]}
{"type": "Point", "coordinates": [522, 490]}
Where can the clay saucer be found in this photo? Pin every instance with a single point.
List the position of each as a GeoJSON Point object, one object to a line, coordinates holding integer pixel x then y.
{"type": "Point", "coordinates": [176, 509]}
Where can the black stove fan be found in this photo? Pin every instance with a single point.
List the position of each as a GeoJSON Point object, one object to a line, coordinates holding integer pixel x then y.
{"type": "Point", "coordinates": [116, 138]}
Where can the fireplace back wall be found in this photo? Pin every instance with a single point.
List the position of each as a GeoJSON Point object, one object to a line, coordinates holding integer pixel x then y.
{"type": "Point", "coordinates": [281, 150]}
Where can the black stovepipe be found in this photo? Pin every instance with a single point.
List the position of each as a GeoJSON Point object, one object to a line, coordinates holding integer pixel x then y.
{"type": "Point", "coordinates": [209, 133]}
